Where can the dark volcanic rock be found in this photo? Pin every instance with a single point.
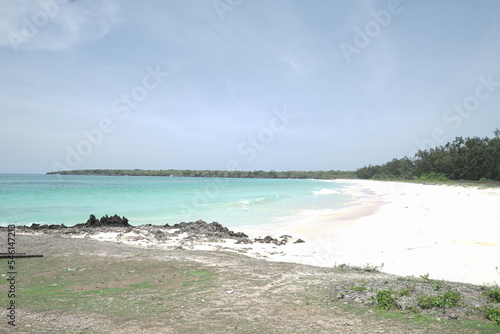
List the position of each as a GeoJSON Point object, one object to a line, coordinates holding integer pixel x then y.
{"type": "Point", "coordinates": [35, 226]}
{"type": "Point", "coordinates": [213, 229]}
{"type": "Point", "coordinates": [244, 241]}
{"type": "Point", "coordinates": [268, 240]}
{"type": "Point", "coordinates": [114, 221]}
{"type": "Point", "coordinates": [92, 221]}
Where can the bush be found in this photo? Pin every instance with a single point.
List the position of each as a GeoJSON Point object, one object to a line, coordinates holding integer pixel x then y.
{"type": "Point", "coordinates": [382, 177]}
{"type": "Point", "coordinates": [385, 299]}
{"type": "Point", "coordinates": [492, 314]}
{"type": "Point", "coordinates": [433, 176]}
{"type": "Point", "coordinates": [493, 295]}
{"type": "Point", "coordinates": [448, 299]}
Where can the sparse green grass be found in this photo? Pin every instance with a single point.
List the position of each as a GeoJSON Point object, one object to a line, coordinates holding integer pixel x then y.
{"type": "Point", "coordinates": [139, 289]}
{"type": "Point", "coordinates": [121, 288]}
{"type": "Point", "coordinates": [426, 323]}
{"type": "Point", "coordinates": [361, 287]}
{"type": "Point", "coordinates": [367, 267]}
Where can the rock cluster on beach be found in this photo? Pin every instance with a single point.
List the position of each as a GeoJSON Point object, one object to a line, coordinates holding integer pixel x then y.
{"type": "Point", "coordinates": [114, 221]}
{"type": "Point", "coordinates": [187, 232]}
{"type": "Point", "coordinates": [213, 229]}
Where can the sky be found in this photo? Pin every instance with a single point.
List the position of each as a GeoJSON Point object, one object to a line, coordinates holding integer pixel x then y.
{"type": "Point", "coordinates": [242, 84]}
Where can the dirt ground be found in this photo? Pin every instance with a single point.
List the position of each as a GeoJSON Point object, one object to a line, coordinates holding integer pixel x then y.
{"type": "Point", "coordinates": [88, 286]}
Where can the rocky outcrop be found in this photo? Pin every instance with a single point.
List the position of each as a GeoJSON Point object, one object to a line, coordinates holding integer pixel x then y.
{"type": "Point", "coordinates": [105, 221]}
{"type": "Point", "coordinates": [270, 240]}
{"type": "Point", "coordinates": [35, 226]}
{"type": "Point", "coordinates": [213, 229]}
{"type": "Point", "coordinates": [198, 231]}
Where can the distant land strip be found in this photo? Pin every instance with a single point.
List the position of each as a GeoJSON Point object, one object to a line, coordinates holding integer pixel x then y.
{"type": "Point", "coordinates": [332, 174]}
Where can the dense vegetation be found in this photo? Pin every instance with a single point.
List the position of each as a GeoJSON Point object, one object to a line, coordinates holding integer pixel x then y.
{"type": "Point", "coordinates": [475, 159]}
{"type": "Point", "coordinates": [215, 173]}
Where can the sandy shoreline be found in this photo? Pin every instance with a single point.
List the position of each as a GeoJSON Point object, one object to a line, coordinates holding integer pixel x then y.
{"type": "Point", "coordinates": [449, 232]}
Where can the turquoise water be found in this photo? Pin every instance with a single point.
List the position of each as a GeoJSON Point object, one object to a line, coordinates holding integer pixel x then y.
{"type": "Point", "coordinates": [68, 199]}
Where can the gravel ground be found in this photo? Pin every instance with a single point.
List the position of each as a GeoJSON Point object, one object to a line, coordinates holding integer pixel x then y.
{"type": "Point", "coordinates": [245, 295]}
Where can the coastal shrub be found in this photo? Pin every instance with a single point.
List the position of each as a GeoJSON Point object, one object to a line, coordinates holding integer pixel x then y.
{"type": "Point", "coordinates": [382, 177]}
{"type": "Point", "coordinates": [448, 299]}
{"type": "Point", "coordinates": [492, 314]}
{"type": "Point", "coordinates": [433, 176]}
{"type": "Point", "coordinates": [427, 302]}
{"type": "Point", "coordinates": [386, 299]}
{"type": "Point", "coordinates": [493, 295]}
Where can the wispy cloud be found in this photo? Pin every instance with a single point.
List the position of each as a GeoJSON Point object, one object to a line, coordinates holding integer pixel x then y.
{"type": "Point", "coordinates": [55, 24]}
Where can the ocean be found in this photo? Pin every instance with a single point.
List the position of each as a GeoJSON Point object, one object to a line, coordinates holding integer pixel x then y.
{"type": "Point", "coordinates": [70, 199]}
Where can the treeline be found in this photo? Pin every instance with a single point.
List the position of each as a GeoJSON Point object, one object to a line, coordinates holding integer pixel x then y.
{"type": "Point", "coordinates": [474, 159]}
{"type": "Point", "coordinates": [332, 174]}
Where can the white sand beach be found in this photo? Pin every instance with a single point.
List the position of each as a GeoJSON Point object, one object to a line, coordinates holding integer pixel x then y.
{"type": "Point", "coordinates": [449, 232]}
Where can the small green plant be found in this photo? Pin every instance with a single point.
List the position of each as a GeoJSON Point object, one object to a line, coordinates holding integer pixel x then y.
{"type": "Point", "coordinates": [342, 266]}
{"type": "Point", "coordinates": [448, 299]}
{"type": "Point", "coordinates": [404, 292]}
{"type": "Point", "coordinates": [493, 295]}
{"type": "Point", "coordinates": [361, 287]}
{"type": "Point", "coordinates": [386, 299]}
{"type": "Point", "coordinates": [492, 314]}
{"type": "Point", "coordinates": [372, 268]}
{"type": "Point", "coordinates": [435, 284]}
{"type": "Point", "coordinates": [425, 277]}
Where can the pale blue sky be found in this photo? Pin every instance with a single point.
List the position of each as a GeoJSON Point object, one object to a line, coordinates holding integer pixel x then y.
{"type": "Point", "coordinates": [228, 68]}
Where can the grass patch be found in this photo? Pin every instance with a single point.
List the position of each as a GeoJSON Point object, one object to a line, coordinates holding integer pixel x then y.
{"type": "Point", "coordinates": [122, 288]}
